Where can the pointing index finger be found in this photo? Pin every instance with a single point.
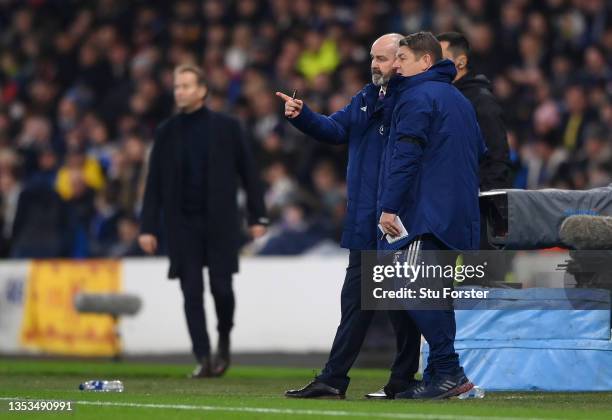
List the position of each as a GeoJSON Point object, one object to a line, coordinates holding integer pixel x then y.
{"type": "Point", "coordinates": [283, 96]}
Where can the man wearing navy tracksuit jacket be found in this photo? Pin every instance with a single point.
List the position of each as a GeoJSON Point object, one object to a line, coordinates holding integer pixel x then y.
{"type": "Point", "coordinates": [430, 181]}
{"type": "Point", "coordinates": [363, 124]}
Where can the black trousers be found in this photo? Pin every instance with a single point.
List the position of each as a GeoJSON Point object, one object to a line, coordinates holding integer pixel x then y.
{"type": "Point", "coordinates": [193, 261]}
{"type": "Point", "coordinates": [436, 320]}
{"type": "Point", "coordinates": [352, 330]}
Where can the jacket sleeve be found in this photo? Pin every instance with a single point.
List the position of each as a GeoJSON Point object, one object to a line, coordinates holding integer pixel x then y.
{"type": "Point", "coordinates": [495, 166]}
{"type": "Point", "coordinates": [333, 129]}
{"type": "Point", "coordinates": [249, 175]}
{"type": "Point", "coordinates": [412, 120]}
{"type": "Point", "coordinates": [152, 202]}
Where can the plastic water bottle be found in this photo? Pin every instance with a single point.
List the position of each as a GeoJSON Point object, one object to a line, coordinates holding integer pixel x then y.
{"type": "Point", "coordinates": [476, 392]}
{"type": "Point", "coordinates": [103, 386]}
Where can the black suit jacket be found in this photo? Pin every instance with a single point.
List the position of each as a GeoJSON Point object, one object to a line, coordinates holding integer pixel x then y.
{"type": "Point", "coordinates": [230, 162]}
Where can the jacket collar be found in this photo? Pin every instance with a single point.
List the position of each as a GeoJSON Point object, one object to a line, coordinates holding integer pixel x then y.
{"type": "Point", "coordinates": [370, 91]}
{"type": "Point", "coordinates": [473, 80]}
{"type": "Point", "coordinates": [370, 94]}
{"type": "Point", "coordinates": [443, 71]}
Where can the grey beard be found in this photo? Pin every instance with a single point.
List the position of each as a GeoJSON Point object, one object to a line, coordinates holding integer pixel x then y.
{"type": "Point", "coordinates": [379, 79]}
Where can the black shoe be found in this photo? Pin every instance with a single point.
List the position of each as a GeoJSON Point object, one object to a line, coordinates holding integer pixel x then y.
{"type": "Point", "coordinates": [392, 391]}
{"type": "Point", "coordinates": [442, 387]}
{"type": "Point", "coordinates": [203, 370]}
{"type": "Point", "coordinates": [316, 390]}
{"type": "Point", "coordinates": [222, 358]}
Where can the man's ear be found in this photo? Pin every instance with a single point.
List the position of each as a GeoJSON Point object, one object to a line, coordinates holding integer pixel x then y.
{"type": "Point", "coordinates": [461, 61]}
{"type": "Point", "coordinates": [427, 61]}
{"type": "Point", "coordinates": [204, 90]}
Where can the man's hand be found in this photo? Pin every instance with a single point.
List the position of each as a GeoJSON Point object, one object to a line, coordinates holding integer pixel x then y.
{"type": "Point", "coordinates": [293, 107]}
{"type": "Point", "coordinates": [148, 243]}
{"type": "Point", "coordinates": [257, 231]}
{"type": "Point", "coordinates": [389, 224]}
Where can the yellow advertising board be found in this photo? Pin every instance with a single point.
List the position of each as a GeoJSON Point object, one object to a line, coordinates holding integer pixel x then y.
{"type": "Point", "coordinates": [51, 323]}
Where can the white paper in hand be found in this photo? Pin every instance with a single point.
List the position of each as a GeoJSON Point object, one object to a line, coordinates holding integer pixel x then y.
{"type": "Point", "coordinates": [402, 235]}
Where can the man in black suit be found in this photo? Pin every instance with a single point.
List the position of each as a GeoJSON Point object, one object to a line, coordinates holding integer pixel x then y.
{"type": "Point", "coordinates": [495, 170]}
{"type": "Point", "coordinates": [495, 167]}
{"type": "Point", "coordinates": [198, 159]}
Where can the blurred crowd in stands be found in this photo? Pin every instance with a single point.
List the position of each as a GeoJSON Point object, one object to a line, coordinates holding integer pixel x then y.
{"type": "Point", "coordinates": [83, 85]}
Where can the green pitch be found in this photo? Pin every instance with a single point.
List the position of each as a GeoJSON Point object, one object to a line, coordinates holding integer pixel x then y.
{"type": "Point", "coordinates": [162, 391]}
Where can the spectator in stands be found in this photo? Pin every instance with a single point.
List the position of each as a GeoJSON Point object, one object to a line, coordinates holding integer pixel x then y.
{"type": "Point", "coordinates": [77, 162]}
{"type": "Point", "coordinates": [10, 191]}
{"type": "Point", "coordinates": [36, 218]}
{"type": "Point", "coordinates": [294, 235]}
{"type": "Point", "coordinates": [597, 159]}
{"type": "Point", "coordinates": [282, 188]}
{"type": "Point", "coordinates": [320, 55]}
{"type": "Point", "coordinates": [127, 173]}
{"type": "Point", "coordinates": [127, 245]}
{"type": "Point", "coordinates": [577, 117]}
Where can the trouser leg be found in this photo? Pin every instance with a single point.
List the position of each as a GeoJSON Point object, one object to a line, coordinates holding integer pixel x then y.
{"type": "Point", "coordinates": [223, 295]}
{"type": "Point", "coordinates": [193, 257]}
{"type": "Point", "coordinates": [408, 342]}
{"type": "Point", "coordinates": [437, 325]}
{"type": "Point", "coordinates": [352, 330]}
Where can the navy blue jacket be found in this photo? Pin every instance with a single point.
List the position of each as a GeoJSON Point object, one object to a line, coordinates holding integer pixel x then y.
{"type": "Point", "coordinates": [429, 175]}
{"type": "Point", "coordinates": [364, 125]}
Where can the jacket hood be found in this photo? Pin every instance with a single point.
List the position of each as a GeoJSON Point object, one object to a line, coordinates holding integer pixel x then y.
{"type": "Point", "coordinates": [443, 71]}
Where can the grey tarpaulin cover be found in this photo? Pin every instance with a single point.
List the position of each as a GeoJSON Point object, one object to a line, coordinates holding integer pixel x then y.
{"type": "Point", "coordinates": [534, 216]}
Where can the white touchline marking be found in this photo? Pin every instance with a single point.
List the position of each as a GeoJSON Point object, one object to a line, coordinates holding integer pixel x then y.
{"type": "Point", "coordinates": [331, 413]}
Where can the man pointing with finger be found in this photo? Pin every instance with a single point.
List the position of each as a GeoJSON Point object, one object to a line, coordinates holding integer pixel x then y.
{"type": "Point", "coordinates": [363, 125]}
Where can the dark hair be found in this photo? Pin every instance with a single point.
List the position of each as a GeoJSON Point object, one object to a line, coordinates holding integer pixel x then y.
{"type": "Point", "coordinates": [457, 43]}
{"type": "Point", "coordinates": [421, 43]}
